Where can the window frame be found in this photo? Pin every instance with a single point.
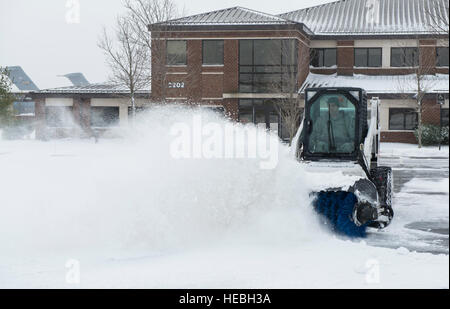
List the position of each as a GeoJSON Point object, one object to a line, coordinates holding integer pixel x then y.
{"type": "Point", "coordinates": [443, 109]}
{"type": "Point", "coordinates": [437, 56]}
{"type": "Point", "coordinates": [323, 57]}
{"type": "Point", "coordinates": [167, 53]}
{"type": "Point", "coordinates": [268, 108]}
{"type": "Point", "coordinates": [257, 73]}
{"type": "Point", "coordinates": [203, 53]}
{"type": "Point", "coordinates": [405, 65]}
{"type": "Point", "coordinates": [403, 109]}
{"type": "Point", "coordinates": [311, 96]}
{"type": "Point", "coordinates": [104, 125]}
{"type": "Point", "coordinates": [368, 56]}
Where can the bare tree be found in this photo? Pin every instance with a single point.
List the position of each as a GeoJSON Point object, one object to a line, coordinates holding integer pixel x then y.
{"type": "Point", "coordinates": [143, 13]}
{"type": "Point", "coordinates": [289, 107]}
{"type": "Point", "coordinates": [437, 17]}
{"type": "Point", "coordinates": [422, 65]}
{"type": "Point", "coordinates": [127, 58]}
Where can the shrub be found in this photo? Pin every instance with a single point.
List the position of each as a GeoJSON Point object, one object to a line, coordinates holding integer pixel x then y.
{"type": "Point", "coordinates": [431, 135]}
{"type": "Point", "coordinates": [445, 135]}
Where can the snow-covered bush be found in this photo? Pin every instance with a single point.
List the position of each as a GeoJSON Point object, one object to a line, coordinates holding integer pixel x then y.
{"type": "Point", "coordinates": [432, 135]}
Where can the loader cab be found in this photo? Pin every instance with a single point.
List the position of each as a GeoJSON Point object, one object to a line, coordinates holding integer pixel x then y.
{"type": "Point", "coordinates": [335, 123]}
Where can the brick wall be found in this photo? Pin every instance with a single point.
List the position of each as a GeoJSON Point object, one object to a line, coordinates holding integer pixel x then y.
{"type": "Point", "coordinates": [158, 68]}
{"type": "Point", "coordinates": [231, 66]}
{"type": "Point", "coordinates": [303, 62]}
{"type": "Point", "coordinates": [427, 56]}
{"type": "Point", "coordinates": [398, 137]}
{"type": "Point", "coordinates": [194, 69]}
{"type": "Point", "coordinates": [212, 85]}
{"type": "Point", "coordinates": [430, 112]}
{"type": "Point", "coordinates": [345, 57]}
{"type": "Point", "coordinates": [232, 108]}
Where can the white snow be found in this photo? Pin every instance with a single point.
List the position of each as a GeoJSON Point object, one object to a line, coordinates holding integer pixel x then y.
{"type": "Point", "coordinates": [428, 186]}
{"type": "Point", "coordinates": [134, 217]}
{"type": "Point", "coordinates": [353, 17]}
{"type": "Point", "coordinates": [411, 150]}
{"type": "Point", "coordinates": [380, 83]}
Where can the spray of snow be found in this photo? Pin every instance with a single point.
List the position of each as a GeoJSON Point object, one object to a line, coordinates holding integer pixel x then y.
{"type": "Point", "coordinates": [131, 193]}
{"type": "Point", "coordinates": [136, 217]}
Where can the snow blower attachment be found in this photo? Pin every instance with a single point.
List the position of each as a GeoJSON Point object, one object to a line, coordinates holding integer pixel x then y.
{"type": "Point", "coordinates": [340, 133]}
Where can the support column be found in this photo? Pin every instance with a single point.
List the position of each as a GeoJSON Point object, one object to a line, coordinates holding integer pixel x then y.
{"type": "Point", "coordinates": [232, 108]}
{"type": "Point", "coordinates": [194, 70]}
{"type": "Point", "coordinates": [345, 57]}
{"type": "Point", "coordinates": [231, 66]}
{"type": "Point", "coordinates": [39, 112]}
{"type": "Point", "coordinates": [427, 54]}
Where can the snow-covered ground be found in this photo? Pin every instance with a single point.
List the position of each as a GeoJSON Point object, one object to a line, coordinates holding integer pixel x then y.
{"type": "Point", "coordinates": [124, 213]}
{"type": "Point", "coordinates": [421, 201]}
{"type": "Point", "coordinates": [410, 150]}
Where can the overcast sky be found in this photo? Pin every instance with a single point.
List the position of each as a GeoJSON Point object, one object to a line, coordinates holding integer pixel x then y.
{"type": "Point", "coordinates": [37, 36]}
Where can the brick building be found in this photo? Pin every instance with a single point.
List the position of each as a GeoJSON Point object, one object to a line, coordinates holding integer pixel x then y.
{"type": "Point", "coordinates": [241, 59]}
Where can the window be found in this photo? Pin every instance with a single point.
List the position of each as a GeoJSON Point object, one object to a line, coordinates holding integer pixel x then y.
{"type": "Point", "coordinates": [444, 117]}
{"type": "Point", "coordinates": [442, 56]}
{"type": "Point", "coordinates": [333, 118]}
{"type": "Point", "coordinates": [404, 57]}
{"type": "Point", "coordinates": [59, 116]}
{"type": "Point", "coordinates": [263, 113]}
{"type": "Point", "coordinates": [213, 52]}
{"type": "Point", "coordinates": [176, 53]}
{"type": "Point", "coordinates": [368, 57]}
{"type": "Point", "coordinates": [403, 119]}
{"type": "Point", "coordinates": [24, 108]}
{"type": "Point", "coordinates": [267, 66]}
{"type": "Point", "coordinates": [323, 57]}
{"type": "Point", "coordinates": [259, 112]}
{"type": "Point", "coordinates": [104, 116]}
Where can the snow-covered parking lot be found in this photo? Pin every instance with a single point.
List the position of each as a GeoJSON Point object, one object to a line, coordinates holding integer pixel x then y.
{"type": "Point", "coordinates": [121, 214]}
{"type": "Point", "coordinates": [421, 184]}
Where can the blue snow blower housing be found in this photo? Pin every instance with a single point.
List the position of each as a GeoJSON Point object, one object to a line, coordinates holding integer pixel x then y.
{"type": "Point", "coordinates": [340, 132]}
{"type": "Point", "coordinates": [337, 208]}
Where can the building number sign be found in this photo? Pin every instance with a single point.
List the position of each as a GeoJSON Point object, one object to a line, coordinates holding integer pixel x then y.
{"type": "Point", "coordinates": [176, 85]}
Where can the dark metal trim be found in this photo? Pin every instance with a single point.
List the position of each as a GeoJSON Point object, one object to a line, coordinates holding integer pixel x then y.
{"type": "Point", "coordinates": [211, 27]}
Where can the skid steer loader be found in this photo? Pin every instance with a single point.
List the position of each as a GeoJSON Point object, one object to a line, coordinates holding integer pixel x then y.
{"type": "Point", "coordinates": [340, 132]}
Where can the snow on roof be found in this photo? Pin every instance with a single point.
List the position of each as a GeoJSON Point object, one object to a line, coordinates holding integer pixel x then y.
{"type": "Point", "coordinates": [358, 17]}
{"type": "Point", "coordinates": [390, 84]}
{"type": "Point", "coordinates": [231, 16]}
{"type": "Point", "coordinates": [93, 89]}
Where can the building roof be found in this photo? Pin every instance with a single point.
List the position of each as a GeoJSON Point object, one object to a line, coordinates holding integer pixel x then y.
{"type": "Point", "coordinates": [231, 16]}
{"type": "Point", "coordinates": [92, 89]}
{"type": "Point", "coordinates": [20, 81]}
{"type": "Point", "coordinates": [372, 17]}
{"type": "Point", "coordinates": [380, 84]}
